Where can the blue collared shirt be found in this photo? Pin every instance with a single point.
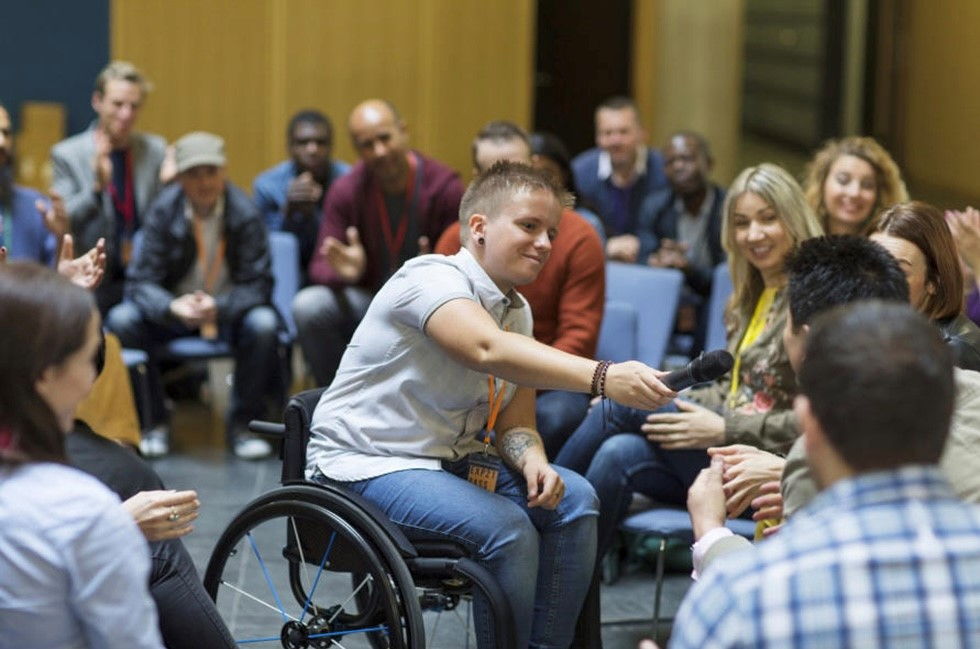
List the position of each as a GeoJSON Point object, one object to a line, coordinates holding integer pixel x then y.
{"type": "Point", "coordinates": [884, 559]}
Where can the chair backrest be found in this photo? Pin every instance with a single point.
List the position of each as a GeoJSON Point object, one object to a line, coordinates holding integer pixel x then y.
{"type": "Point", "coordinates": [654, 293]}
{"type": "Point", "coordinates": [721, 289]}
{"type": "Point", "coordinates": [284, 250]}
{"type": "Point", "coordinates": [296, 418]}
{"type": "Point", "coordinates": [618, 333]}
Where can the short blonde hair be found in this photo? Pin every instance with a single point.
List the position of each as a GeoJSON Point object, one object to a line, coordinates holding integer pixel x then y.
{"type": "Point", "coordinates": [781, 192]}
{"type": "Point", "coordinates": [122, 71]}
{"type": "Point", "coordinates": [888, 177]}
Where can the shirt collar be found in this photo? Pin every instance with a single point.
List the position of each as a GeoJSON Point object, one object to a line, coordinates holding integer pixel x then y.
{"type": "Point", "coordinates": [490, 295]}
{"type": "Point", "coordinates": [910, 482]}
{"type": "Point", "coordinates": [217, 212]}
{"type": "Point", "coordinates": [639, 167]}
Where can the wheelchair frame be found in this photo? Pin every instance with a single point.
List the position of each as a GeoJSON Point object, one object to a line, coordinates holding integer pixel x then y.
{"type": "Point", "coordinates": [337, 532]}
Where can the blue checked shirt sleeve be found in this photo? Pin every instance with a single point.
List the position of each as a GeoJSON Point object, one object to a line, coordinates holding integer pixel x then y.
{"type": "Point", "coordinates": [709, 617]}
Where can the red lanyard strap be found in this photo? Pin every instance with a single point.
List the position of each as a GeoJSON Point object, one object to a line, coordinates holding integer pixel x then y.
{"type": "Point", "coordinates": [395, 241]}
{"type": "Point", "coordinates": [126, 205]}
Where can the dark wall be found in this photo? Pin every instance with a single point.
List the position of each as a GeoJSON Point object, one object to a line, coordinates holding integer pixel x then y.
{"type": "Point", "coordinates": [51, 50]}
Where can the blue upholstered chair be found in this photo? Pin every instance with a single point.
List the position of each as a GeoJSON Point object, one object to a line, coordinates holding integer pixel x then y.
{"type": "Point", "coordinates": [721, 290]}
{"type": "Point", "coordinates": [653, 293]}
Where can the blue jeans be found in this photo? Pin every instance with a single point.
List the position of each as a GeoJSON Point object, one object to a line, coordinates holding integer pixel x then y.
{"type": "Point", "coordinates": [542, 559]}
{"type": "Point", "coordinates": [559, 413]}
{"type": "Point", "coordinates": [618, 464]}
{"type": "Point", "coordinates": [255, 344]}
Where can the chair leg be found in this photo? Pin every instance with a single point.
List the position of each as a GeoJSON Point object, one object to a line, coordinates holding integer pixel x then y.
{"type": "Point", "coordinates": [661, 560]}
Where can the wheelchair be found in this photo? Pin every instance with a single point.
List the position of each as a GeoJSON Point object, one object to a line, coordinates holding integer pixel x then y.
{"type": "Point", "coordinates": [310, 565]}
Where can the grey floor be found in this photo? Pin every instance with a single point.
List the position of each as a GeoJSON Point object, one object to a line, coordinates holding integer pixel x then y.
{"type": "Point", "coordinates": [225, 484]}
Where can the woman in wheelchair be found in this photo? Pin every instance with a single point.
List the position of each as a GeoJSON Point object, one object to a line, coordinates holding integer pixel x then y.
{"type": "Point", "coordinates": [431, 414]}
{"type": "Point", "coordinates": [75, 569]}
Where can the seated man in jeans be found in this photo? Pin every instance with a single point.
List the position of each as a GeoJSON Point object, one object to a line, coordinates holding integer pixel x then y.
{"type": "Point", "coordinates": [204, 269]}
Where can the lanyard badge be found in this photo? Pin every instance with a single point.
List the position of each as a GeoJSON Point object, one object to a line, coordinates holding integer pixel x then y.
{"type": "Point", "coordinates": [483, 467]}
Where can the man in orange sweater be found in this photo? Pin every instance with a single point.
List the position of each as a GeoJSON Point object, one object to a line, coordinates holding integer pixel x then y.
{"type": "Point", "coordinates": [568, 296]}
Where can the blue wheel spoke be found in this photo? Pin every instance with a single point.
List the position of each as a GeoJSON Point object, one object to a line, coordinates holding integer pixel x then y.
{"type": "Point", "coordinates": [268, 578]}
{"type": "Point", "coordinates": [316, 580]}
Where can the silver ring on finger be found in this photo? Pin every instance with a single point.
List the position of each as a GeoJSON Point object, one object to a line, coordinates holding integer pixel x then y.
{"type": "Point", "coordinates": [174, 515]}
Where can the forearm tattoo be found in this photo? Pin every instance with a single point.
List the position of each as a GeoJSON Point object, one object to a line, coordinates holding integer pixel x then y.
{"type": "Point", "coordinates": [516, 443]}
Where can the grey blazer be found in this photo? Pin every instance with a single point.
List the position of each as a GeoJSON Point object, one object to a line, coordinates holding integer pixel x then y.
{"type": "Point", "coordinates": [91, 215]}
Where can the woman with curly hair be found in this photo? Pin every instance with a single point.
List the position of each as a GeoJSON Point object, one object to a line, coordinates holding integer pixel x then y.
{"type": "Point", "coordinates": [849, 182]}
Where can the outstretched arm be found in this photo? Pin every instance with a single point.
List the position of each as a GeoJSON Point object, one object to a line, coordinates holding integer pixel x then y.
{"type": "Point", "coordinates": [465, 331]}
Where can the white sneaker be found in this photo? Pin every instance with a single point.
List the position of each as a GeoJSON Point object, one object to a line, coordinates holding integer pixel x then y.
{"type": "Point", "coordinates": [156, 441]}
{"type": "Point", "coordinates": [250, 447]}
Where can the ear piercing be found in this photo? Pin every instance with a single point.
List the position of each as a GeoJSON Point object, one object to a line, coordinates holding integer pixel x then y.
{"type": "Point", "coordinates": [480, 241]}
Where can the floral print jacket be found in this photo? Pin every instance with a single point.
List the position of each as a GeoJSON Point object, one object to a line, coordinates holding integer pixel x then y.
{"type": "Point", "coordinates": [761, 412]}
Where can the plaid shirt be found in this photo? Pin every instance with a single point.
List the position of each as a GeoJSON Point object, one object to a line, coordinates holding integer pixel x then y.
{"type": "Point", "coordinates": [885, 559]}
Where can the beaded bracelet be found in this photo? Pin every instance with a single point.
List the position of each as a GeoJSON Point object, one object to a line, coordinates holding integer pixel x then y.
{"type": "Point", "coordinates": [599, 379]}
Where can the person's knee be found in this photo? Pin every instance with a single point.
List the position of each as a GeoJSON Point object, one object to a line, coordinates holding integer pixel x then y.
{"type": "Point", "coordinates": [313, 304]}
{"type": "Point", "coordinates": [617, 454]}
{"type": "Point", "coordinates": [261, 323]}
{"type": "Point", "coordinates": [126, 321]}
{"type": "Point", "coordinates": [580, 496]}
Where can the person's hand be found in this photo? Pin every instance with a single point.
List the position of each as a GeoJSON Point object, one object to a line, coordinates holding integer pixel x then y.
{"type": "Point", "coordinates": [87, 270]}
{"type": "Point", "coordinates": [102, 162]}
{"type": "Point", "coordinates": [545, 488]}
{"type": "Point", "coordinates": [3, 254]}
{"type": "Point", "coordinates": [636, 385]}
{"type": "Point", "coordinates": [647, 643]}
{"type": "Point", "coordinates": [625, 247]}
{"type": "Point", "coordinates": [302, 194]}
{"type": "Point", "coordinates": [769, 503]}
{"type": "Point", "coordinates": [163, 515]}
{"type": "Point", "coordinates": [691, 427]}
{"type": "Point", "coordinates": [207, 308]}
{"type": "Point", "coordinates": [168, 168]}
{"type": "Point", "coordinates": [671, 254]}
{"type": "Point", "coordinates": [706, 499]}
{"type": "Point", "coordinates": [54, 213]}
{"type": "Point", "coordinates": [185, 309]}
{"type": "Point", "coordinates": [348, 260]}
{"type": "Point", "coordinates": [965, 227]}
{"type": "Point", "coordinates": [747, 468]}
{"type": "Point", "coordinates": [425, 248]}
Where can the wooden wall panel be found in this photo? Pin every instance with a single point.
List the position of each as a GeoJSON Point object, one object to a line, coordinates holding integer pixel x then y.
{"type": "Point", "coordinates": [242, 67]}
{"type": "Point", "coordinates": [687, 73]}
{"type": "Point", "coordinates": [941, 97]}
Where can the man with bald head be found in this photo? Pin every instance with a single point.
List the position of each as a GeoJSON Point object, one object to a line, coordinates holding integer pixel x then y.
{"type": "Point", "coordinates": [392, 206]}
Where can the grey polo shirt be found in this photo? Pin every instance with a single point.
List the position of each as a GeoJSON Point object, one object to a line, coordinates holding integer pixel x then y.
{"type": "Point", "coordinates": [399, 401]}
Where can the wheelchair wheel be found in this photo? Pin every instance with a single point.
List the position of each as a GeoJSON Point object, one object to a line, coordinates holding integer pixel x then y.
{"type": "Point", "coordinates": [295, 574]}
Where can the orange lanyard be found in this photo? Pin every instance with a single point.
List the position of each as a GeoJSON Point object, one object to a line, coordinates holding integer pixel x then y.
{"type": "Point", "coordinates": [496, 398]}
{"type": "Point", "coordinates": [209, 272]}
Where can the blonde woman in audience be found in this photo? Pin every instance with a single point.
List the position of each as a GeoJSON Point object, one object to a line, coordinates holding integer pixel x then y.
{"type": "Point", "coordinates": [75, 566]}
{"type": "Point", "coordinates": [765, 217]}
{"type": "Point", "coordinates": [849, 182]}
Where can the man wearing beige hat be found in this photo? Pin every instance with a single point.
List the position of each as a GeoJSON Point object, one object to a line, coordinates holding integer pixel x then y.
{"type": "Point", "coordinates": [204, 269]}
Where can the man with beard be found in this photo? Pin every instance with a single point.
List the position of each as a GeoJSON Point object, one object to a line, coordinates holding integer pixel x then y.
{"type": "Point", "coordinates": [29, 227]}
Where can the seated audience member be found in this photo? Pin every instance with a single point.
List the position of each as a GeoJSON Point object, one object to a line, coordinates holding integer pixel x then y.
{"type": "Point", "coordinates": [204, 269]}
{"type": "Point", "coordinates": [290, 195]}
{"type": "Point", "coordinates": [566, 298]}
{"type": "Point", "coordinates": [887, 536]}
{"type": "Point", "coordinates": [391, 207]}
{"type": "Point", "coordinates": [917, 236]}
{"type": "Point", "coordinates": [75, 568]}
{"type": "Point", "coordinates": [109, 174]}
{"type": "Point", "coordinates": [550, 154]}
{"type": "Point", "coordinates": [618, 174]}
{"type": "Point", "coordinates": [680, 227]}
{"type": "Point", "coordinates": [623, 450]}
{"type": "Point", "coordinates": [417, 406]}
{"type": "Point", "coordinates": [965, 227]}
{"type": "Point", "coordinates": [849, 182]}
{"type": "Point", "coordinates": [824, 273]}
{"type": "Point", "coordinates": [30, 228]}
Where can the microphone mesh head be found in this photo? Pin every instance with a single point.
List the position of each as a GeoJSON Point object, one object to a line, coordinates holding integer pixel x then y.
{"type": "Point", "coordinates": [712, 365]}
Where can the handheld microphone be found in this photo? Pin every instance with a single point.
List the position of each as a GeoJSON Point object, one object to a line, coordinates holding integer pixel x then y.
{"type": "Point", "coordinates": [706, 367]}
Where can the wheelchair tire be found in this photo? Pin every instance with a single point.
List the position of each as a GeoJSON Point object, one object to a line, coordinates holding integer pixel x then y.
{"type": "Point", "coordinates": [294, 573]}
